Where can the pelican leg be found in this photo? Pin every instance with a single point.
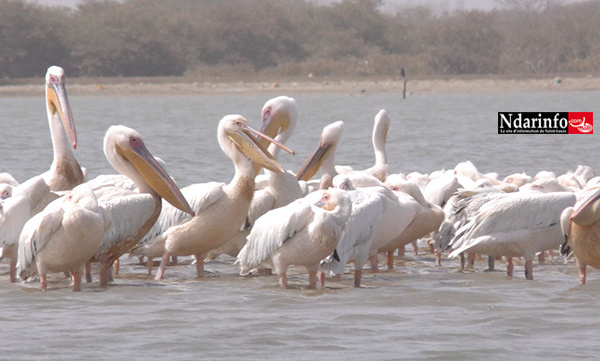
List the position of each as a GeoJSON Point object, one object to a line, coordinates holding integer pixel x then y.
{"type": "Point", "coordinates": [76, 278]}
{"type": "Point", "coordinates": [415, 248]}
{"type": "Point", "coordinates": [312, 280]}
{"type": "Point", "coordinates": [117, 266]}
{"type": "Point", "coordinates": [43, 282]}
{"type": "Point", "coordinates": [161, 268]}
{"type": "Point", "coordinates": [529, 270]}
{"type": "Point", "coordinates": [88, 272]}
{"type": "Point", "coordinates": [471, 260]}
{"type": "Point", "coordinates": [104, 274]}
{"type": "Point", "coordinates": [438, 257]}
{"type": "Point", "coordinates": [174, 259]}
{"type": "Point", "coordinates": [321, 276]}
{"type": "Point", "coordinates": [509, 266]}
{"type": "Point", "coordinates": [462, 261]}
{"type": "Point", "coordinates": [200, 265]}
{"type": "Point", "coordinates": [13, 271]}
{"type": "Point", "coordinates": [374, 263]}
{"type": "Point", "coordinates": [357, 276]}
{"type": "Point", "coordinates": [582, 273]}
{"type": "Point", "coordinates": [491, 264]}
{"type": "Point", "coordinates": [141, 258]}
{"type": "Point", "coordinates": [149, 264]}
{"type": "Point", "coordinates": [401, 251]}
{"type": "Point", "coordinates": [390, 258]}
{"type": "Point", "coordinates": [283, 281]}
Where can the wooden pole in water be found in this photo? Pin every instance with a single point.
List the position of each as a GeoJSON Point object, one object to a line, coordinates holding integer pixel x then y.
{"type": "Point", "coordinates": [403, 75]}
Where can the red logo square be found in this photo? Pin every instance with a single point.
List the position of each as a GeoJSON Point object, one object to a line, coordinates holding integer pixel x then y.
{"type": "Point", "coordinates": [581, 123]}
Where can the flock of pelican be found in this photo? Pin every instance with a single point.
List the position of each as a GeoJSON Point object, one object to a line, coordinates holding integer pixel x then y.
{"type": "Point", "coordinates": [270, 219]}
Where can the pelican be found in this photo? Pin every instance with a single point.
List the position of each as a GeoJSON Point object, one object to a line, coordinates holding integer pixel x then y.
{"type": "Point", "coordinates": [221, 209]}
{"type": "Point", "coordinates": [65, 173]}
{"type": "Point", "coordinates": [323, 157]}
{"type": "Point", "coordinates": [130, 214]}
{"type": "Point", "coordinates": [380, 170]}
{"type": "Point", "coordinates": [581, 227]}
{"type": "Point", "coordinates": [301, 233]}
{"type": "Point", "coordinates": [518, 224]}
{"type": "Point", "coordinates": [279, 118]}
{"type": "Point", "coordinates": [27, 199]}
{"type": "Point", "coordinates": [367, 209]}
{"type": "Point", "coordinates": [427, 219]}
{"type": "Point", "coordinates": [62, 237]}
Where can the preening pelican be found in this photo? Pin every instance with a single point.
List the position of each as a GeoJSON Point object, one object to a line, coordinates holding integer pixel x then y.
{"type": "Point", "coordinates": [130, 214]}
{"type": "Point", "coordinates": [28, 198]}
{"type": "Point", "coordinates": [581, 227]}
{"type": "Point", "coordinates": [301, 233]}
{"type": "Point", "coordinates": [367, 209]}
{"type": "Point", "coordinates": [221, 209]}
{"type": "Point", "coordinates": [62, 237]}
{"type": "Point", "coordinates": [65, 173]}
{"type": "Point", "coordinates": [518, 224]}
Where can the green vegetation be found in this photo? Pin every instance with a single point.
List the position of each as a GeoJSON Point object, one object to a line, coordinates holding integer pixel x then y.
{"type": "Point", "coordinates": [294, 38]}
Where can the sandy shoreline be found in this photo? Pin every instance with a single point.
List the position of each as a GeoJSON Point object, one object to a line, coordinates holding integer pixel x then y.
{"type": "Point", "coordinates": [181, 86]}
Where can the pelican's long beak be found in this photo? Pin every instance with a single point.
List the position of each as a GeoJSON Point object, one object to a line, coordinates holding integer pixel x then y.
{"type": "Point", "coordinates": [312, 165]}
{"type": "Point", "coordinates": [155, 175]}
{"type": "Point", "coordinates": [58, 102]}
{"type": "Point", "coordinates": [246, 142]}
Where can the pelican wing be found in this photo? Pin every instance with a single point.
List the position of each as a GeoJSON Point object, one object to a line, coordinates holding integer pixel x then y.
{"type": "Point", "coordinates": [262, 202]}
{"type": "Point", "coordinates": [200, 197]}
{"type": "Point", "coordinates": [35, 235]}
{"type": "Point", "coordinates": [511, 213]}
{"type": "Point", "coordinates": [271, 231]}
{"type": "Point", "coordinates": [587, 209]}
{"type": "Point", "coordinates": [367, 210]}
{"type": "Point", "coordinates": [124, 215]}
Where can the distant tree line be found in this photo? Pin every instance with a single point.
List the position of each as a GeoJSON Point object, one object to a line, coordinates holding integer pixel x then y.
{"type": "Point", "coordinates": [295, 38]}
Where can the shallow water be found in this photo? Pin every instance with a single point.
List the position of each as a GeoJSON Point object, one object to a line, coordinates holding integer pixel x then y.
{"type": "Point", "coordinates": [415, 312]}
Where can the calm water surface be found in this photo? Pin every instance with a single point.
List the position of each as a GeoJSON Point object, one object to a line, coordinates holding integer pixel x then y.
{"type": "Point", "coordinates": [415, 312]}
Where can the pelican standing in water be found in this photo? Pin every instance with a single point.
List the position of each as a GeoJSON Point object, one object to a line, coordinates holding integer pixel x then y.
{"type": "Point", "coordinates": [581, 227]}
{"type": "Point", "coordinates": [130, 214]}
{"type": "Point", "coordinates": [62, 237]}
{"type": "Point", "coordinates": [301, 233]}
{"type": "Point", "coordinates": [64, 173]}
{"type": "Point", "coordinates": [279, 118]}
{"type": "Point", "coordinates": [516, 225]}
{"type": "Point", "coordinates": [221, 209]}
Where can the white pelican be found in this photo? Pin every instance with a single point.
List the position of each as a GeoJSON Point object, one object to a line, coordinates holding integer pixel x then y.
{"type": "Point", "coordinates": [301, 233]}
{"type": "Point", "coordinates": [323, 157]}
{"type": "Point", "coordinates": [28, 198]}
{"type": "Point", "coordinates": [367, 209]}
{"type": "Point", "coordinates": [581, 227]}
{"type": "Point", "coordinates": [130, 214]}
{"type": "Point", "coordinates": [62, 237]}
{"type": "Point", "coordinates": [518, 224]}
{"type": "Point", "coordinates": [65, 173]}
{"type": "Point", "coordinates": [380, 170]}
{"type": "Point", "coordinates": [221, 209]}
{"type": "Point", "coordinates": [427, 219]}
{"type": "Point", "coordinates": [279, 118]}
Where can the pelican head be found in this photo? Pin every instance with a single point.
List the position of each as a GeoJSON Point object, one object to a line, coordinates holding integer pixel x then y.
{"type": "Point", "coordinates": [127, 153]}
{"type": "Point", "coordinates": [234, 129]}
{"type": "Point", "coordinates": [335, 201]}
{"type": "Point", "coordinates": [57, 101]}
{"type": "Point", "coordinates": [279, 118]}
{"type": "Point", "coordinates": [330, 137]}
